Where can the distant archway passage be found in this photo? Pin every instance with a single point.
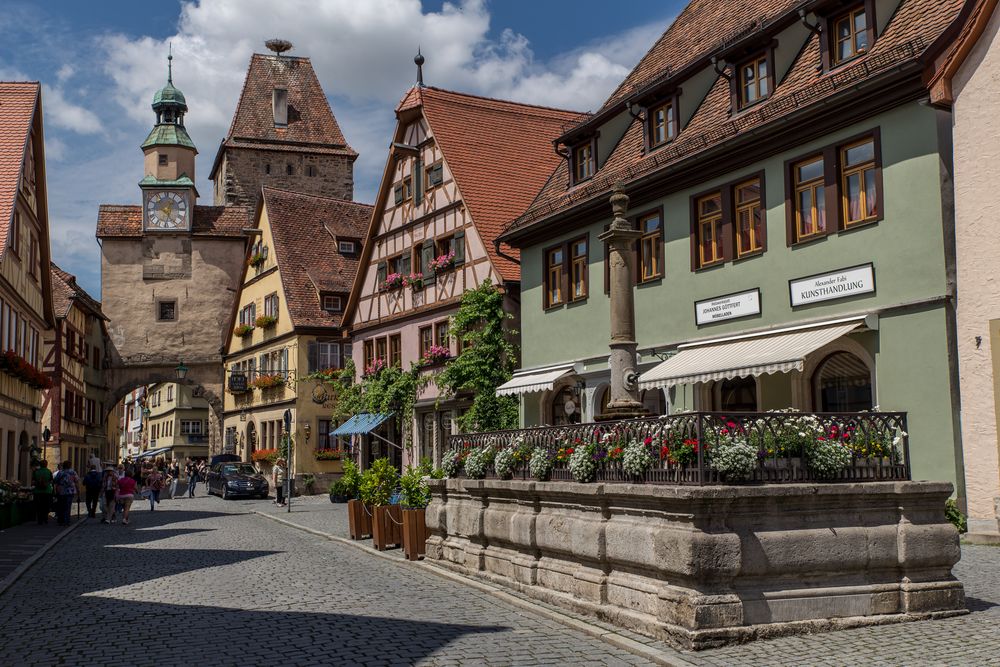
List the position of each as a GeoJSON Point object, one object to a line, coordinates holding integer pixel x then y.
{"type": "Point", "coordinates": [205, 377]}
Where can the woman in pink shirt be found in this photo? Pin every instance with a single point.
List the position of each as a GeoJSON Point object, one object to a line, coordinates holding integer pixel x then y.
{"type": "Point", "coordinates": [126, 493]}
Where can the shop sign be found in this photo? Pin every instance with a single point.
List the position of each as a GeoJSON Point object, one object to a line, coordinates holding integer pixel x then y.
{"type": "Point", "coordinates": [832, 285]}
{"type": "Point", "coordinates": [727, 307]}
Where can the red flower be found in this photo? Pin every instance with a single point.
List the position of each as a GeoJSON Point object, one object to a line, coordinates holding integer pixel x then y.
{"type": "Point", "coordinates": [648, 441]}
{"type": "Point", "coordinates": [569, 450]}
{"type": "Point", "coordinates": [664, 452]}
{"type": "Point", "coordinates": [731, 424]}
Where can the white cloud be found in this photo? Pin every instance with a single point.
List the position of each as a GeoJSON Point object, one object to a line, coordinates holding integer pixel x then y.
{"type": "Point", "coordinates": [60, 112]}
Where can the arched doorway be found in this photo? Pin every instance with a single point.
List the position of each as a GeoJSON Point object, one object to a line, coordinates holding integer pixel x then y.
{"type": "Point", "coordinates": [738, 395]}
{"type": "Point", "coordinates": [566, 406]}
{"type": "Point", "coordinates": [250, 440]}
{"type": "Point", "coordinates": [843, 383]}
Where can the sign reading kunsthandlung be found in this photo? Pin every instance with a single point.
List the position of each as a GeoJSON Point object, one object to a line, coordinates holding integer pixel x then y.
{"type": "Point", "coordinates": [832, 285]}
{"type": "Point", "coordinates": [728, 307]}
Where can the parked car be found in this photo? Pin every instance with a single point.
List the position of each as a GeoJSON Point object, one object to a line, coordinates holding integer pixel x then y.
{"type": "Point", "coordinates": [230, 479]}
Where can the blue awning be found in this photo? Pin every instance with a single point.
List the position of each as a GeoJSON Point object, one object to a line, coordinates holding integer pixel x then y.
{"type": "Point", "coordinates": [361, 424]}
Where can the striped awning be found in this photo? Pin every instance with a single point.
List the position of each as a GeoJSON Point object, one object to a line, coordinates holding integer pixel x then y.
{"type": "Point", "coordinates": [742, 356]}
{"type": "Point", "coordinates": [361, 424]}
{"type": "Point", "coordinates": [536, 379]}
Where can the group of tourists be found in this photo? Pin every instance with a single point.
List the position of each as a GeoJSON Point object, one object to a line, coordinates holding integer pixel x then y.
{"type": "Point", "coordinates": [112, 489]}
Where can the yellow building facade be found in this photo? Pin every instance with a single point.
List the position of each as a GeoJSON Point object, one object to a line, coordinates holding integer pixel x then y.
{"type": "Point", "coordinates": [286, 326]}
{"type": "Point", "coordinates": [177, 423]}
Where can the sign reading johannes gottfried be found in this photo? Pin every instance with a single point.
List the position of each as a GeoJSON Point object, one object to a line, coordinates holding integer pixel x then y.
{"type": "Point", "coordinates": [833, 285]}
{"type": "Point", "coordinates": [728, 307]}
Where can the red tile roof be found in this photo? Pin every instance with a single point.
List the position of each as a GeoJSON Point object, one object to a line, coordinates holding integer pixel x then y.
{"type": "Point", "coordinates": [976, 19]}
{"type": "Point", "coordinates": [304, 229]}
{"type": "Point", "coordinates": [310, 120]}
{"type": "Point", "coordinates": [912, 30]}
{"type": "Point", "coordinates": [125, 220]}
{"type": "Point", "coordinates": [18, 101]}
{"type": "Point", "coordinates": [500, 154]}
{"type": "Point", "coordinates": [65, 290]}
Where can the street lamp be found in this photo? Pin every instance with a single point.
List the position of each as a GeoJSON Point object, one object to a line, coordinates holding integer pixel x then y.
{"type": "Point", "coordinates": [181, 371]}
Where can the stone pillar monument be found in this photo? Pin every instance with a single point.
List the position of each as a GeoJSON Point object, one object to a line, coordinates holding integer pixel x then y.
{"type": "Point", "coordinates": [621, 237]}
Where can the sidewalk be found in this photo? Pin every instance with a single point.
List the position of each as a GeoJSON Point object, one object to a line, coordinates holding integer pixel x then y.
{"type": "Point", "coordinates": [22, 545]}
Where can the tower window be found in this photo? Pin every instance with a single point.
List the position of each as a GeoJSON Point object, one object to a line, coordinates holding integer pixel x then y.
{"type": "Point", "coordinates": [267, 168]}
{"type": "Point", "coordinates": [288, 169]}
{"type": "Point", "coordinates": [166, 311]}
{"type": "Point", "coordinates": [279, 105]}
{"type": "Point", "coordinates": [311, 171]}
{"type": "Point", "coordinates": [162, 160]}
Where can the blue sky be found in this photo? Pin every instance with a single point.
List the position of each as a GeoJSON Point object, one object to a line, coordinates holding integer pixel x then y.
{"type": "Point", "coordinates": [100, 63]}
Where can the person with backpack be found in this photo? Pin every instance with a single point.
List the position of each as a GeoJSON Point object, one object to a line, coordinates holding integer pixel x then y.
{"type": "Point", "coordinates": [109, 484]}
{"type": "Point", "coordinates": [42, 489]}
{"type": "Point", "coordinates": [154, 483]}
{"type": "Point", "coordinates": [66, 481]}
{"type": "Point", "coordinates": [92, 485]}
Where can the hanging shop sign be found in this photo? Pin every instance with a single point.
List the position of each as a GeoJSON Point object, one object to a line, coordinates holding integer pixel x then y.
{"type": "Point", "coordinates": [832, 285]}
{"type": "Point", "coordinates": [727, 307]}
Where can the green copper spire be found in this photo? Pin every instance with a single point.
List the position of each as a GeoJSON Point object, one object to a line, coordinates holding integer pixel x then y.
{"type": "Point", "coordinates": [170, 107]}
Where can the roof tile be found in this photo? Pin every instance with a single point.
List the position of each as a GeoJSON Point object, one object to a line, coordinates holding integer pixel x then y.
{"type": "Point", "coordinates": [125, 220]}
{"type": "Point", "coordinates": [17, 110]}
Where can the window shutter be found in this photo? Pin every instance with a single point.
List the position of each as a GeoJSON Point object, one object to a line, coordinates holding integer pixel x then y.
{"type": "Point", "coordinates": [380, 274]}
{"type": "Point", "coordinates": [397, 194]}
{"type": "Point", "coordinates": [313, 354]}
{"type": "Point", "coordinates": [418, 181]}
{"type": "Point", "coordinates": [426, 257]}
{"type": "Point", "coordinates": [284, 360]}
{"type": "Point", "coordinates": [263, 364]}
{"type": "Point", "coordinates": [404, 264]}
{"type": "Point", "coordinates": [459, 247]}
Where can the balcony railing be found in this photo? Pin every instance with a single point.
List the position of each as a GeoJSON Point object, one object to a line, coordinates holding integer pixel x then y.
{"type": "Point", "coordinates": [788, 446]}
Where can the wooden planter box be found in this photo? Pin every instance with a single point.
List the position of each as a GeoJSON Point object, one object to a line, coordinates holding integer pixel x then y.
{"type": "Point", "coordinates": [359, 521]}
{"type": "Point", "coordinates": [414, 533]}
{"type": "Point", "coordinates": [387, 529]}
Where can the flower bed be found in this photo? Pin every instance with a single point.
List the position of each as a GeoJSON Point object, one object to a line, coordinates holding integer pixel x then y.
{"type": "Point", "coordinates": [18, 367]}
{"type": "Point", "coordinates": [243, 330]}
{"type": "Point", "coordinates": [265, 455]}
{"type": "Point", "coordinates": [328, 454]}
{"type": "Point", "coordinates": [268, 381]}
{"type": "Point", "coordinates": [694, 448]}
{"type": "Point", "coordinates": [265, 321]}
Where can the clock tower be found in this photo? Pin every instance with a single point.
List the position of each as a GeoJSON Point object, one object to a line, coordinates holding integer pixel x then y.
{"type": "Point", "coordinates": [168, 190]}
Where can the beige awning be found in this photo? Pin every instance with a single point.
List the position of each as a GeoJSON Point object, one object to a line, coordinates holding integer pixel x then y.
{"type": "Point", "coordinates": [536, 379]}
{"type": "Point", "coordinates": [742, 356]}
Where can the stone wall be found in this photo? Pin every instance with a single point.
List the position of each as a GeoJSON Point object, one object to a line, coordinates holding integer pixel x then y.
{"type": "Point", "coordinates": [244, 171]}
{"type": "Point", "coordinates": [706, 566]}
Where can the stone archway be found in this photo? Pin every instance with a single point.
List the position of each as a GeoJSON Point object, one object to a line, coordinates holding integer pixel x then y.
{"type": "Point", "coordinates": [205, 377]}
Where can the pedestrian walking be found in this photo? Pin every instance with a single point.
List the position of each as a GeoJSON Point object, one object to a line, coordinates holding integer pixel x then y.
{"type": "Point", "coordinates": [174, 477]}
{"type": "Point", "coordinates": [193, 478]}
{"type": "Point", "coordinates": [95, 461]}
{"type": "Point", "coordinates": [109, 483]}
{"type": "Point", "coordinates": [126, 494]}
{"type": "Point", "coordinates": [279, 482]}
{"type": "Point", "coordinates": [154, 484]}
{"type": "Point", "coordinates": [42, 489]}
{"type": "Point", "coordinates": [92, 486]}
{"type": "Point", "coordinates": [66, 482]}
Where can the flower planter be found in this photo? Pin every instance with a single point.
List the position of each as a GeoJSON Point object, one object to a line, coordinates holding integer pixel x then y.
{"type": "Point", "coordinates": [358, 519]}
{"type": "Point", "coordinates": [387, 527]}
{"type": "Point", "coordinates": [414, 533]}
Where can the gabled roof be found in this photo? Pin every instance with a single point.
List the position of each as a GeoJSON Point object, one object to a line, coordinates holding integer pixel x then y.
{"type": "Point", "coordinates": [912, 31]}
{"type": "Point", "coordinates": [65, 291]}
{"type": "Point", "coordinates": [499, 153]}
{"type": "Point", "coordinates": [976, 19]}
{"type": "Point", "coordinates": [303, 230]}
{"type": "Point", "coordinates": [18, 101]}
{"type": "Point", "coordinates": [114, 220]}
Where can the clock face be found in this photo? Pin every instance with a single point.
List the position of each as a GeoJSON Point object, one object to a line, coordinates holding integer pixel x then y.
{"type": "Point", "coordinates": [166, 210]}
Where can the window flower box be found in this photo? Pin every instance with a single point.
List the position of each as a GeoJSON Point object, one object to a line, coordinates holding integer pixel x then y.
{"type": "Point", "coordinates": [328, 454]}
{"type": "Point", "coordinates": [266, 321]}
{"type": "Point", "coordinates": [393, 281]}
{"type": "Point", "coordinates": [257, 260]}
{"type": "Point", "coordinates": [18, 367]}
{"type": "Point", "coordinates": [243, 330]}
{"type": "Point", "coordinates": [415, 281]}
{"type": "Point", "coordinates": [375, 367]}
{"type": "Point", "coordinates": [444, 262]}
{"type": "Point", "coordinates": [264, 456]}
{"type": "Point", "coordinates": [272, 381]}
{"type": "Point", "coordinates": [436, 354]}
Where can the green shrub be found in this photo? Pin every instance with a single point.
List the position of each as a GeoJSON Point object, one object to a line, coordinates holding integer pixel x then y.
{"type": "Point", "coordinates": [378, 482]}
{"type": "Point", "coordinates": [349, 482]}
{"type": "Point", "coordinates": [955, 516]}
{"type": "Point", "coordinates": [413, 487]}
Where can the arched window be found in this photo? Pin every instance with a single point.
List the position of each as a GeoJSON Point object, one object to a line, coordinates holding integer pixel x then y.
{"type": "Point", "coordinates": [605, 399]}
{"type": "Point", "coordinates": [566, 407]}
{"type": "Point", "coordinates": [843, 383]}
{"type": "Point", "coordinates": [738, 395]}
{"type": "Point", "coordinates": [655, 401]}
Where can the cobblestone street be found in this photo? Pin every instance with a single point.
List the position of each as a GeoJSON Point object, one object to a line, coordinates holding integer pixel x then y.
{"type": "Point", "coordinates": [225, 586]}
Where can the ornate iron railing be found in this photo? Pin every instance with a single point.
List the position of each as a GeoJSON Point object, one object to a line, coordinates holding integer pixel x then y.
{"type": "Point", "coordinates": [681, 446]}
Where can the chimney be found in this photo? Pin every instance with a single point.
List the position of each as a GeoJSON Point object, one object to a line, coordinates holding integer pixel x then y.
{"type": "Point", "coordinates": [279, 107]}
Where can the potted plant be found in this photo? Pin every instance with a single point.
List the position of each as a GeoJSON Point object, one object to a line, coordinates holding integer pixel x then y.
{"type": "Point", "coordinates": [266, 321]}
{"type": "Point", "coordinates": [257, 259]}
{"type": "Point", "coordinates": [415, 281]}
{"type": "Point", "coordinates": [243, 330]}
{"type": "Point", "coordinates": [328, 454]}
{"type": "Point", "coordinates": [264, 456]}
{"type": "Point", "coordinates": [339, 493]}
{"type": "Point", "coordinates": [358, 516]}
{"type": "Point", "coordinates": [377, 486]}
{"type": "Point", "coordinates": [310, 482]}
{"type": "Point", "coordinates": [415, 496]}
{"type": "Point", "coordinates": [393, 281]}
{"type": "Point", "coordinates": [436, 354]}
{"type": "Point", "coordinates": [443, 262]}
{"type": "Point", "coordinates": [271, 381]}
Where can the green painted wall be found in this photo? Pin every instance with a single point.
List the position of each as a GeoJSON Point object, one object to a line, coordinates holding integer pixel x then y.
{"type": "Point", "coordinates": [906, 248]}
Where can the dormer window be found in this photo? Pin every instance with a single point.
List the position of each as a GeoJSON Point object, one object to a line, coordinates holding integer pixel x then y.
{"type": "Point", "coordinates": [850, 35]}
{"type": "Point", "coordinates": [661, 124]}
{"type": "Point", "coordinates": [754, 82]}
{"type": "Point", "coordinates": [279, 107]}
{"type": "Point", "coordinates": [332, 303]}
{"type": "Point", "coordinates": [347, 247]}
{"type": "Point", "coordinates": [584, 164]}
